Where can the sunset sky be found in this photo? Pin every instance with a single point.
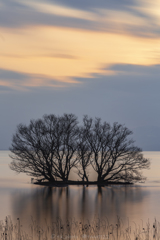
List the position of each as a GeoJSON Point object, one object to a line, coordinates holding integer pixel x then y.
{"type": "Point", "coordinates": [95, 57]}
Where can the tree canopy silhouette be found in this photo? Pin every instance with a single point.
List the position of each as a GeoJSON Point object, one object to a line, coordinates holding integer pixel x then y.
{"type": "Point", "coordinates": [46, 148]}
{"type": "Point", "coordinates": [49, 148]}
{"type": "Point", "coordinates": [114, 156]}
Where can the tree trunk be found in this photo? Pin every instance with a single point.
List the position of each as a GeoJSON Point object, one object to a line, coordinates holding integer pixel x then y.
{"type": "Point", "coordinates": [100, 178]}
{"type": "Point", "coordinates": [52, 179]}
{"type": "Point", "coordinates": [85, 176]}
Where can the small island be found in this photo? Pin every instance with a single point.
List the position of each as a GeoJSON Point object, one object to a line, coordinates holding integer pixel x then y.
{"type": "Point", "coordinates": [80, 183]}
{"type": "Point", "coordinates": [48, 149]}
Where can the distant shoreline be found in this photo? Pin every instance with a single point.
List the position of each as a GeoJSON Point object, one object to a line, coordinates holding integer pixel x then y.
{"type": "Point", "coordinates": [80, 183]}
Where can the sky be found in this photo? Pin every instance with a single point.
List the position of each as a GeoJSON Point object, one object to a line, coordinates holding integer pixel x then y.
{"type": "Point", "coordinates": [94, 57]}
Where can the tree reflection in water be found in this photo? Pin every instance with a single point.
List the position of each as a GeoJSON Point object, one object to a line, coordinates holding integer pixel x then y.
{"type": "Point", "coordinates": [46, 204]}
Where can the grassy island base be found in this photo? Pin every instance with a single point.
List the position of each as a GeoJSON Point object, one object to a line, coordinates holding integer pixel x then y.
{"type": "Point", "coordinates": [82, 183]}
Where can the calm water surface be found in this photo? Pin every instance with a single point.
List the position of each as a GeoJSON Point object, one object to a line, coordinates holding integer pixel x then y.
{"type": "Point", "coordinates": [20, 199]}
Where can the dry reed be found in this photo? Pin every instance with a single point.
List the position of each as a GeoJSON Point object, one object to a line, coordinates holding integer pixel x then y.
{"type": "Point", "coordinates": [97, 229]}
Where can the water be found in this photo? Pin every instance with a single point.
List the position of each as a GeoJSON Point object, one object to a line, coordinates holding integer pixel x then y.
{"type": "Point", "coordinates": [133, 204]}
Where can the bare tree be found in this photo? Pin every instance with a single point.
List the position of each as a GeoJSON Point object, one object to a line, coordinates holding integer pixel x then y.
{"type": "Point", "coordinates": [49, 148]}
{"type": "Point", "coordinates": [45, 149]}
{"type": "Point", "coordinates": [66, 135]}
{"type": "Point", "coordinates": [114, 156]}
{"type": "Point", "coordinates": [83, 154]}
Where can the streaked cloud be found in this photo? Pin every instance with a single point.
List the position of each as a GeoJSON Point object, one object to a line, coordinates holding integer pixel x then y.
{"type": "Point", "coordinates": [92, 5]}
{"type": "Point", "coordinates": [58, 55]}
{"type": "Point", "coordinates": [138, 18]}
{"type": "Point", "coordinates": [150, 8]}
{"type": "Point", "coordinates": [12, 80]}
{"type": "Point", "coordinates": [59, 10]}
{"type": "Point", "coordinates": [66, 40]}
{"type": "Point", "coordinates": [65, 54]}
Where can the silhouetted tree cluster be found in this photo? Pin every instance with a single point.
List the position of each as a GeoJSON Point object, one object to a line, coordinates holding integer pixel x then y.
{"type": "Point", "coordinates": [49, 148]}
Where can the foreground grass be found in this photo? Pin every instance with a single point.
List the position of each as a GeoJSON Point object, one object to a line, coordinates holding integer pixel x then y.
{"type": "Point", "coordinates": [77, 230]}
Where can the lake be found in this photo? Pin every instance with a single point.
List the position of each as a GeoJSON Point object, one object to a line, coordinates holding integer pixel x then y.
{"type": "Point", "coordinates": [134, 205]}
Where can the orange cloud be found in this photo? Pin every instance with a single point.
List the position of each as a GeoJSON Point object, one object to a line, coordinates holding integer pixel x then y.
{"type": "Point", "coordinates": [64, 54]}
